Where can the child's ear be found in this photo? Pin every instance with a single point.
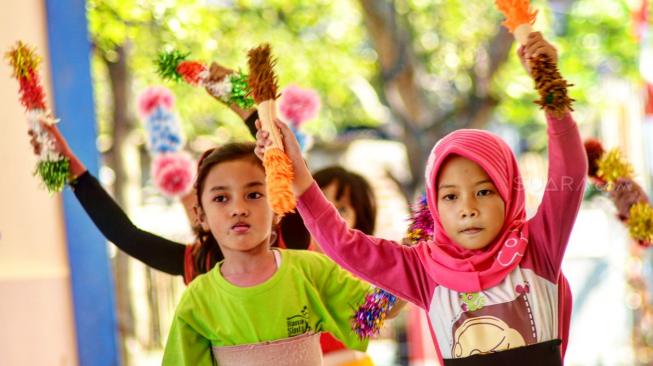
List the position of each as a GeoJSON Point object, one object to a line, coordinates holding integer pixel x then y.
{"type": "Point", "coordinates": [201, 217]}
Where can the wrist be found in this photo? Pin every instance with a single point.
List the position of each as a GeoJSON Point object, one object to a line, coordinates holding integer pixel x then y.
{"type": "Point", "coordinates": [76, 167]}
{"type": "Point", "coordinates": [303, 181]}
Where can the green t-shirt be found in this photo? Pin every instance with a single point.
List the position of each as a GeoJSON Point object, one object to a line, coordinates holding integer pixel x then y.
{"type": "Point", "coordinates": [307, 293]}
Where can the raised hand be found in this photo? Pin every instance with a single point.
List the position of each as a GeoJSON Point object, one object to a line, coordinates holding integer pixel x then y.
{"type": "Point", "coordinates": [536, 45]}
{"type": "Point", "coordinates": [60, 145]}
{"type": "Point", "coordinates": [303, 178]}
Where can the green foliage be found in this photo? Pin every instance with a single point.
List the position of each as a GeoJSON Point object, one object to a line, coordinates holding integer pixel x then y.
{"type": "Point", "coordinates": [323, 44]}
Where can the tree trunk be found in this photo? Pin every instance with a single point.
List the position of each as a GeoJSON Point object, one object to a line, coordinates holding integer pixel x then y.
{"type": "Point", "coordinates": [422, 124]}
{"type": "Point", "coordinates": [120, 81]}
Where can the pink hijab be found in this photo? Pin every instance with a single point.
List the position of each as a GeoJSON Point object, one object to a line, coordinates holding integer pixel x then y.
{"type": "Point", "coordinates": [451, 265]}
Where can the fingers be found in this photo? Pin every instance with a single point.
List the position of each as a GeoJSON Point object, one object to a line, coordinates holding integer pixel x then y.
{"type": "Point", "coordinates": [537, 45]}
{"type": "Point", "coordinates": [521, 51]}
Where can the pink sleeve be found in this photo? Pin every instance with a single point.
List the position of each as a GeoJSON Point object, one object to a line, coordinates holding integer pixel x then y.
{"type": "Point", "coordinates": [383, 263]}
{"type": "Point", "coordinates": [551, 226]}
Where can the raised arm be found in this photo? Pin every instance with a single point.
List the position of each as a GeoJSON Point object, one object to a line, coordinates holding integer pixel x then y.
{"type": "Point", "coordinates": [111, 220]}
{"type": "Point", "coordinates": [551, 227]}
{"type": "Point", "coordinates": [384, 263]}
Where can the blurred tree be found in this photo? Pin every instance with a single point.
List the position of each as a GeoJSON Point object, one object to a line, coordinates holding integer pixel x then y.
{"type": "Point", "coordinates": [415, 68]}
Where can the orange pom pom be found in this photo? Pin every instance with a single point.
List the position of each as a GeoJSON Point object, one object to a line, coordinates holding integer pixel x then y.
{"type": "Point", "coordinates": [279, 176]}
{"type": "Point", "coordinates": [517, 12]}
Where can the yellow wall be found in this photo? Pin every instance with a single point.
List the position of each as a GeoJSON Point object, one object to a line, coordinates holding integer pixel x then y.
{"type": "Point", "coordinates": [36, 312]}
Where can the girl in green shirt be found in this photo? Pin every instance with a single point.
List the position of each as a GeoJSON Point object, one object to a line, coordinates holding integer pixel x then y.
{"type": "Point", "coordinates": [259, 305]}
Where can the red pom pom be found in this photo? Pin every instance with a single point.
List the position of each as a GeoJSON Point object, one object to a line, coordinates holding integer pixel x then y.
{"type": "Point", "coordinates": [594, 151]}
{"type": "Point", "coordinates": [173, 173]}
{"type": "Point", "coordinates": [190, 71]}
{"type": "Point", "coordinates": [153, 97]}
{"type": "Point", "coordinates": [298, 105]}
{"type": "Point", "coordinates": [32, 95]}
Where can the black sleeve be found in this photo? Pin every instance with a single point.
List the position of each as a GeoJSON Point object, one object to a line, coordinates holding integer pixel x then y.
{"type": "Point", "coordinates": [111, 220]}
{"type": "Point", "coordinates": [250, 122]}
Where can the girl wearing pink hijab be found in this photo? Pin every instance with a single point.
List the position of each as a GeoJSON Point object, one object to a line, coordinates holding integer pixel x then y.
{"type": "Point", "coordinates": [490, 280]}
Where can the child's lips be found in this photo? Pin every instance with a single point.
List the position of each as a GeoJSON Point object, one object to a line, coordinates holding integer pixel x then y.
{"type": "Point", "coordinates": [240, 228]}
{"type": "Point", "coordinates": [471, 230]}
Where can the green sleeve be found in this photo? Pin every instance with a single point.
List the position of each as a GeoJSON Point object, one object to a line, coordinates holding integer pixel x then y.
{"type": "Point", "coordinates": [343, 294]}
{"type": "Point", "coordinates": [185, 346]}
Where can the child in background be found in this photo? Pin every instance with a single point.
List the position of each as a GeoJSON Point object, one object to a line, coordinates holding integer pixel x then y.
{"type": "Point", "coordinates": [490, 280]}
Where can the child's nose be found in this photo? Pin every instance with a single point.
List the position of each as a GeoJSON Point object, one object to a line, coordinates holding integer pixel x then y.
{"type": "Point", "coordinates": [468, 209]}
{"type": "Point", "coordinates": [239, 209]}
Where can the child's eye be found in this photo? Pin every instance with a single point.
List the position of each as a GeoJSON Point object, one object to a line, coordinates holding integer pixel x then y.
{"type": "Point", "coordinates": [255, 195]}
{"type": "Point", "coordinates": [485, 192]}
{"type": "Point", "coordinates": [342, 210]}
{"type": "Point", "coordinates": [449, 197]}
{"type": "Point", "coordinates": [220, 198]}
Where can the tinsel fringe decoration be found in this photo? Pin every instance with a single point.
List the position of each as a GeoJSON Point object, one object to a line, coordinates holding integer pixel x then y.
{"type": "Point", "coordinates": [229, 87]}
{"type": "Point", "coordinates": [633, 206]}
{"type": "Point", "coordinates": [278, 179]}
{"type": "Point", "coordinates": [420, 227]}
{"type": "Point", "coordinates": [612, 166]}
{"type": "Point", "coordinates": [371, 315]}
{"type": "Point", "coordinates": [278, 167]}
{"type": "Point", "coordinates": [262, 79]}
{"type": "Point", "coordinates": [53, 168]}
{"type": "Point", "coordinates": [517, 12]}
{"type": "Point", "coordinates": [594, 151]}
{"type": "Point", "coordinates": [551, 87]}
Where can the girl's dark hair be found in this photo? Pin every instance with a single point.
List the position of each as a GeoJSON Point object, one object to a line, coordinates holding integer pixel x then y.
{"type": "Point", "coordinates": [361, 195]}
{"type": "Point", "coordinates": [209, 252]}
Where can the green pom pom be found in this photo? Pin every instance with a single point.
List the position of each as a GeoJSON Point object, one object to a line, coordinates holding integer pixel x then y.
{"type": "Point", "coordinates": [54, 174]}
{"type": "Point", "coordinates": [167, 63]}
{"type": "Point", "coordinates": [240, 91]}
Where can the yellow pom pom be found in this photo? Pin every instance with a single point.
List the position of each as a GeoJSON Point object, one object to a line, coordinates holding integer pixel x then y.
{"type": "Point", "coordinates": [613, 166]}
{"type": "Point", "coordinates": [23, 60]}
{"type": "Point", "coordinates": [279, 177]}
{"type": "Point", "coordinates": [640, 223]}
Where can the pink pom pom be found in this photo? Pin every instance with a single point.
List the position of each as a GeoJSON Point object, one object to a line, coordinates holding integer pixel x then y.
{"type": "Point", "coordinates": [153, 97]}
{"type": "Point", "coordinates": [173, 173]}
{"type": "Point", "coordinates": [298, 105]}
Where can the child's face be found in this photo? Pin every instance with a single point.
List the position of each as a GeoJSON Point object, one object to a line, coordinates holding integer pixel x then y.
{"type": "Point", "coordinates": [343, 205]}
{"type": "Point", "coordinates": [471, 210]}
{"type": "Point", "coordinates": [235, 208]}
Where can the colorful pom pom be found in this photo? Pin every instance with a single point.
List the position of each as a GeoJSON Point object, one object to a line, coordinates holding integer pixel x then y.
{"type": "Point", "coordinates": [240, 91]}
{"type": "Point", "coordinates": [421, 222]}
{"type": "Point", "coordinates": [23, 60]}
{"type": "Point", "coordinates": [167, 63]}
{"type": "Point", "coordinates": [298, 105]}
{"type": "Point", "coordinates": [370, 316]}
{"type": "Point", "coordinates": [640, 223]}
{"type": "Point", "coordinates": [153, 97]}
{"type": "Point", "coordinates": [53, 169]}
{"type": "Point", "coordinates": [625, 194]}
{"type": "Point", "coordinates": [54, 173]}
{"type": "Point", "coordinates": [192, 72]}
{"type": "Point", "coordinates": [613, 166]}
{"type": "Point", "coordinates": [173, 173]}
{"type": "Point", "coordinates": [594, 150]}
